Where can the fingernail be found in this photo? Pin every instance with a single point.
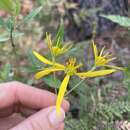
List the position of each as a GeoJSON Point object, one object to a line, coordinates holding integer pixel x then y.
{"type": "Point", "coordinates": [55, 119]}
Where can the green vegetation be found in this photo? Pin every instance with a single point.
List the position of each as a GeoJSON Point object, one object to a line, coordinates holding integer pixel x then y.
{"type": "Point", "coordinates": [97, 103]}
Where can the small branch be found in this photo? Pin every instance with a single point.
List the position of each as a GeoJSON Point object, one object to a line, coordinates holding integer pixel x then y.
{"type": "Point", "coordinates": [12, 41]}
{"type": "Point", "coordinates": [14, 48]}
{"type": "Point", "coordinates": [74, 87]}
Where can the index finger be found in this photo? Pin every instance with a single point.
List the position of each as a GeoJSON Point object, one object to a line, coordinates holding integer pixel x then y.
{"type": "Point", "coordinates": [16, 92]}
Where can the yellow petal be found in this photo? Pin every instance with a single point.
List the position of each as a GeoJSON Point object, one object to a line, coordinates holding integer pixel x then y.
{"type": "Point", "coordinates": [106, 55]}
{"type": "Point", "coordinates": [115, 67]}
{"type": "Point", "coordinates": [46, 72]}
{"type": "Point", "coordinates": [42, 59]}
{"type": "Point", "coordinates": [78, 66]}
{"type": "Point", "coordinates": [95, 50]}
{"type": "Point", "coordinates": [111, 59]}
{"type": "Point", "coordinates": [56, 50]}
{"type": "Point", "coordinates": [60, 66]}
{"type": "Point", "coordinates": [48, 62]}
{"type": "Point", "coordinates": [102, 51]}
{"type": "Point", "coordinates": [61, 93]}
{"type": "Point", "coordinates": [49, 41]}
{"type": "Point", "coordinates": [91, 74]}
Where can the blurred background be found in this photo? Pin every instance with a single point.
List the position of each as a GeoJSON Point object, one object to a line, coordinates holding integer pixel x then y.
{"type": "Point", "coordinates": [100, 103]}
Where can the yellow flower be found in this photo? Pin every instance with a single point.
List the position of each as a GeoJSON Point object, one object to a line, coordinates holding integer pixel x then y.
{"type": "Point", "coordinates": [53, 66]}
{"type": "Point", "coordinates": [103, 60]}
{"type": "Point", "coordinates": [97, 73]}
{"type": "Point", "coordinates": [72, 69]}
{"type": "Point", "coordinates": [69, 69]}
{"type": "Point", "coordinates": [57, 49]}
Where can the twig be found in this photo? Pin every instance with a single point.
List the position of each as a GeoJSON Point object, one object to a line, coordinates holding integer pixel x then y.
{"type": "Point", "coordinates": [12, 41]}
{"type": "Point", "coordinates": [14, 47]}
{"type": "Point", "coordinates": [74, 87]}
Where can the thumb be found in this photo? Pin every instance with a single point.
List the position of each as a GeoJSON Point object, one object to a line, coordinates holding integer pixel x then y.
{"type": "Point", "coordinates": [46, 119]}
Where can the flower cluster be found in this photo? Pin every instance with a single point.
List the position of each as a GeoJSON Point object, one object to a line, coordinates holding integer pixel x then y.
{"type": "Point", "coordinates": [71, 68]}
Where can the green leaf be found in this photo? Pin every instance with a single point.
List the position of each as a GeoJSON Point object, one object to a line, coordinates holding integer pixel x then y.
{"type": "Point", "coordinates": [30, 69]}
{"type": "Point", "coordinates": [9, 24]}
{"type": "Point", "coordinates": [17, 7]}
{"type": "Point", "coordinates": [72, 51]}
{"type": "Point", "coordinates": [6, 5]}
{"type": "Point", "coordinates": [51, 81]}
{"type": "Point", "coordinates": [60, 35]}
{"type": "Point", "coordinates": [74, 81]}
{"type": "Point", "coordinates": [2, 23]}
{"type": "Point", "coordinates": [10, 6]}
{"type": "Point", "coordinates": [31, 15]}
{"type": "Point", "coordinates": [18, 34]}
{"type": "Point", "coordinates": [121, 20]}
{"type": "Point", "coordinates": [5, 73]}
{"type": "Point", "coordinates": [4, 37]}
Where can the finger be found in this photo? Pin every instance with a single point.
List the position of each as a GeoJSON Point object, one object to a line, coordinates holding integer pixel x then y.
{"type": "Point", "coordinates": [6, 112]}
{"type": "Point", "coordinates": [11, 121]}
{"type": "Point", "coordinates": [24, 111]}
{"type": "Point", "coordinates": [61, 127]}
{"type": "Point", "coordinates": [15, 92]}
{"type": "Point", "coordinates": [46, 119]}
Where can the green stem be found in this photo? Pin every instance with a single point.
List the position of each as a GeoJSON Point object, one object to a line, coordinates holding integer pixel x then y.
{"type": "Point", "coordinates": [13, 27]}
{"type": "Point", "coordinates": [11, 36]}
{"type": "Point", "coordinates": [74, 87]}
{"type": "Point", "coordinates": [53, 59]}
{"type": "Point", "coordinates": [12, 41]}
{"type": "Point", "coordinates": [55, 80]}
{"type": "Point", "coordinates": [93, 68]}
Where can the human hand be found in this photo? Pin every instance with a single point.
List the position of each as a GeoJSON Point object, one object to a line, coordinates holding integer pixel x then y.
{"type": "Point", "coordinates": [36, 107]}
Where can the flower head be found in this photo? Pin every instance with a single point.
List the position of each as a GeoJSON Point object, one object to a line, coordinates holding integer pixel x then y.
{"type": "Point", "coordinates": [70, 69]}
{"type": "Point", "coordinates": [53, 66]}
{"type": "Point", "coordinates": [103, 59]}
{"type": "Point", "coordinates": [57, 49]}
